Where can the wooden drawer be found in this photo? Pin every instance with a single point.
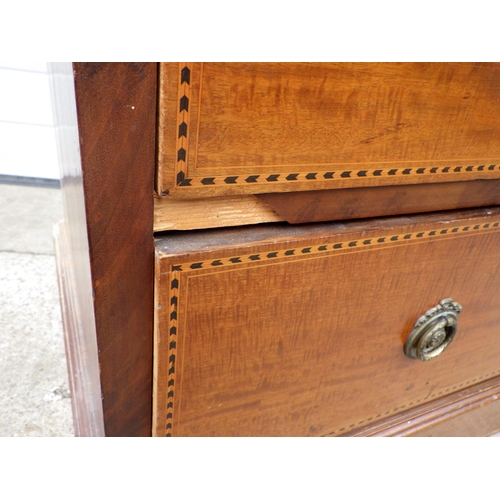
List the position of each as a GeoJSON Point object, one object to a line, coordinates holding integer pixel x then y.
{"type": "Point", "coordinates": [299, 331]}
{"type": "Point", "coordinates": [230, 129]}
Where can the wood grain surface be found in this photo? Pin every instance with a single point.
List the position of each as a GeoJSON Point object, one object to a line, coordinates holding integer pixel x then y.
{"type": "Point", "coordinates": [201, 213]}
{"type": "Point", "coordinates": [236, 128]}
{"type": "Point", "coordinates": [300, 332]}
{"type": "Point", "coordinates": [116, 105]}
{"type": "Point", "coordinates": [341, 204]}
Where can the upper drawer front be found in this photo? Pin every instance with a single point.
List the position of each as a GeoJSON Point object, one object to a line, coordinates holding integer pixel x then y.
{"type": "Point", "coordinates": [300, 331]}
{"type": "Point", "coordinates": [236, 128]}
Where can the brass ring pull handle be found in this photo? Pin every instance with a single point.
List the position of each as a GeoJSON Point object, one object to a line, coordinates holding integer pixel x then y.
{"type": "Point", "coordinates": [434, 331]}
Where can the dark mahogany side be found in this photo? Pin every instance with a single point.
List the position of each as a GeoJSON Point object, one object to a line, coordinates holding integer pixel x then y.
{"type": "Point", "coordinates": [116, 105]}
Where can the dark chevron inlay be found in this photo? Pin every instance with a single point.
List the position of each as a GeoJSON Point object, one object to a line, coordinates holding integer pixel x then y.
{"type": "Point", "coordinates": [185, 75]}
{"type": "Point", "coordinates": [184, 105]}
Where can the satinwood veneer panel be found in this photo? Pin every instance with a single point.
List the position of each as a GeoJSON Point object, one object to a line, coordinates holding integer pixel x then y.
{"type": "Point", "coordinates": [299, 331]}
{"type": "Point", "coordinates": [240, 128]}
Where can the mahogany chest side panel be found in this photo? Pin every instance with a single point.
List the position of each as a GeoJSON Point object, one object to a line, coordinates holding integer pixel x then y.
{"type": "Point", "coordinates": [116, 105]}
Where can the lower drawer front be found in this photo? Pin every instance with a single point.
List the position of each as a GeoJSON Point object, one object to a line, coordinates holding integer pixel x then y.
{"type": "Point", "coordinates": [299, 331]}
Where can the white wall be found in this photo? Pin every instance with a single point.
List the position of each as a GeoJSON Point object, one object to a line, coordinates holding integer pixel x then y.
{"type": "Point", "coordinates": [27, 137]}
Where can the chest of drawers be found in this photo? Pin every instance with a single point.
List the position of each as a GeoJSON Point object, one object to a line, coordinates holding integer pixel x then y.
{"type": "Point", "coordinates": [298, 326]}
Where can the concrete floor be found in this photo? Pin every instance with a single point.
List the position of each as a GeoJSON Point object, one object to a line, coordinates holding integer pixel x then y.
{"type": "Point", "coordinates": [34, 396]}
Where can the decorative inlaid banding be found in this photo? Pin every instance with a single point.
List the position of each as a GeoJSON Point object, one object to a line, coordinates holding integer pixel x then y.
{"type": "Point", "coordinates": [332, 247]}
{"type": "Point", "coordinates": [172, 352]}
{"type": "Point", "coordinates": [183, 122]}
{"type": "Point", "coordinates": [330, 175]}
